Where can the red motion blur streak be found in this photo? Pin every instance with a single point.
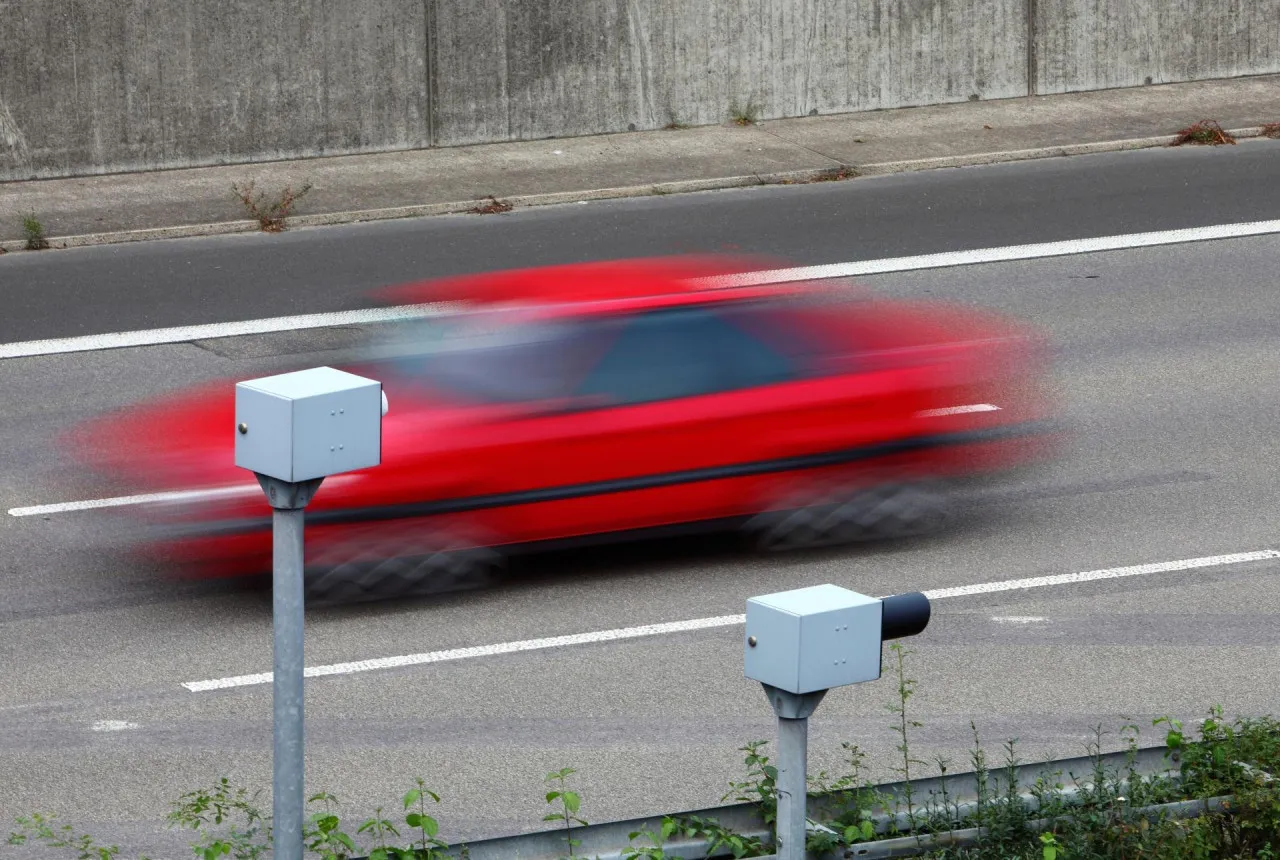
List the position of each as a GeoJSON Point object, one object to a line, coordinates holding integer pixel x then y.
{"type": "Point", "coordinates": [748, 400]}
{"type": "Point", "coordinates": [612, 280]}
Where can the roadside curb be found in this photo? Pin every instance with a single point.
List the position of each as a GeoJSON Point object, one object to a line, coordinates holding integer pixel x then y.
{"type": "Point", "coordinates": [686, 186]}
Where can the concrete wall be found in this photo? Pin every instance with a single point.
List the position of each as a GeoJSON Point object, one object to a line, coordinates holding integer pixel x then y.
{"type": "Point", "coordinates": [109, 85]}
{"type": "Point", "coordinates": [510, 69]}
{"type": "Point", "coordinates": [91, 86]}
{"type": "Point", "coordinates": [1099, 44]}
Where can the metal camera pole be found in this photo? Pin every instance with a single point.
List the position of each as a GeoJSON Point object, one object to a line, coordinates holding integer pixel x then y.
{"type": "Point", "coordinates": [802, 643]}
{"type": "Point", "coordinates": [793, 712]}
{"type": "Point", "coordinates": [288, 503]}
{"type": "Point", "coordinates": [292, 431]}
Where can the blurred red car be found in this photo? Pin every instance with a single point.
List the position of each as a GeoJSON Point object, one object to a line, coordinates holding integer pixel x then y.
{"type": "Point", "coordinates": [608, 399]}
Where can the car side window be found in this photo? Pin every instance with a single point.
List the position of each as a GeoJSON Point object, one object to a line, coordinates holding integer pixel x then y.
{"type": "Point", "coordinates": [515, 364]}
{"type": "Point", "coordinates": [683, 352]}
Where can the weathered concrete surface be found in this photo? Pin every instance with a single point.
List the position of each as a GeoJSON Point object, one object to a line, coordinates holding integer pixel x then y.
{"type": "Point", "coordinates": [562, 67]}
{"type": "Point", "coordinates": [1096, 44]}
{"type": "Point", "coordinates": [940, 131]}
{"type": "Point", "coordinates": [106, 86]}
{"type": "Point", "coordinates": [91, 86]}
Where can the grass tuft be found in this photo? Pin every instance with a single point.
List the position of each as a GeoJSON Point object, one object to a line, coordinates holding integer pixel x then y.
{"type": "Point", "coordinates": [273, 214]}
{"type": "Point", "coordinates": [34, 230]}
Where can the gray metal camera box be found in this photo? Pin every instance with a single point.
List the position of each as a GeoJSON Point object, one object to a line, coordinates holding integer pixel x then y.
{"type": "Point", "coordinates": [308, 424]}
{"type": "Point", "coordinates": [813, 639]}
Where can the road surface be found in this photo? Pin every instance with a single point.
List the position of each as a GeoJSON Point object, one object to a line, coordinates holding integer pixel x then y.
{"type": "Point", "coordinates": [1166, 357]}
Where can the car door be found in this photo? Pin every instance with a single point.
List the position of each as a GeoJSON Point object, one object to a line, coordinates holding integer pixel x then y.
{"type": "Point", "coordinates": [651, 418]}
{"type": "Point", "coordinates": [723, 409]}
{"type": "Point", "coordinates": [670, 406]}
{"type": "Point", "coordinates": [843, 418]}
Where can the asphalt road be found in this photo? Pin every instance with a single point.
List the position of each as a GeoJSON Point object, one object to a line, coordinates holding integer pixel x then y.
{"type": "Point", "coordinates": [184, 282]}
{"type": "Point", "coordinates": [1167, 361]}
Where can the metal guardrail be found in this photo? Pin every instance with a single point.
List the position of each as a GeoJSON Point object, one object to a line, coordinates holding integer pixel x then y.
{"type": "Point", "coordinates": [911, 846]}
{"type": "Point", "coordinates": [608, 841]}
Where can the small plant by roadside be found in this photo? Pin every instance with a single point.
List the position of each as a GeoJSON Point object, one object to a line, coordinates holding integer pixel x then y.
{"type": "Point", "coordinates": [34, 230]}
{"type": "Point", "coordinates": [837, 174]}
{"type": "Point", "coordinates": [323, 833]}
{"type": "Point", "coordinates": [40, 829]}
{"type": "Point", "coordinates": [244, 827]}
{"type": "Point", "coordinates": [760, 786]}
{"type": "Point", "coordinates": [493, 207]}
{"type": "Point", "coordinates": [378, 827]}
{"type": "Point", "coordinates": [674, 122]}
{"type": "Point", "coordinates": [568, 803]}
{"type": "Point", "coordinates": [720, 841]}
{"type": "Point", "coordinates": [720, 838]}
{"type": "Point", "coordinates": [748, 114]}
{"type": "Point", "coordinates": [272, 214]}
{"type": "Point", "coordinates": [1207, 132]}
{"type": "Point", "coordinates": [1271, 130]}
{"type": "Point", "coordinates": [903, 725]}
{"type": "Point", "coordinates": [656, 849]}
{"type": "Point", "coordinates": [848, 800]}
{"type": "Point", "coordinates": [426, 843]}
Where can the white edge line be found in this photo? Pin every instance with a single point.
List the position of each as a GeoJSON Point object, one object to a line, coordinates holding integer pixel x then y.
{"type": "Point", "coordinates": [167, 497]}
{"type": "Point", "coordinates": [1106, 573]}
{"type": "Point", "coordinates": [478, 651]}
{"type": "Point", "coordinates": [718, 621]}
{"type": "Point", "coordinates": [1007, 253]}
{"type": "Point", "coordinates": [183, 334]}
{"type": "Point", "coordinates": [142, 499]}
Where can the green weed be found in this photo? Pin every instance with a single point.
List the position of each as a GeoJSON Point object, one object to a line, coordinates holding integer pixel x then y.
{"type": "Point", "coordinates": [40, 828]}
{"type": "Point", "coordinates": [748, 114]}
{"type": "Point", "coordinates": [760, 786]}
{"type": "Point", "coordinates": [34, 231]}
{"type": "Point", "coordinates": [568, 803]}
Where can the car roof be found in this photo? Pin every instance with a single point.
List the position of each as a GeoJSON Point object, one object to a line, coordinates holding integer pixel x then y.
{"type": "Point", "coordinates": [615, 286]}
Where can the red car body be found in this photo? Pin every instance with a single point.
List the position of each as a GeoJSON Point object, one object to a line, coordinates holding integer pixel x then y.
{"type": "Point", "coordinates": [603, 399]}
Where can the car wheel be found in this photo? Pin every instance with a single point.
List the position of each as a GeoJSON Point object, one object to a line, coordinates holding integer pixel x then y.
{"type": "Point", "coordinates": [880, 512]}
{"type": "Point", "coordinates": [345, 577]}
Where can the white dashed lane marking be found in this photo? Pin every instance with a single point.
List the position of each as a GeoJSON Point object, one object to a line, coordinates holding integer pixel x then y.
{"type": "Point", "coordinates": [724, 621]}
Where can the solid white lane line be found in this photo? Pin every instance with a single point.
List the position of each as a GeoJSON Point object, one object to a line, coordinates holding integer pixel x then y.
{"type": "Point", "coordinates": [1107, 573]}
{"type": "Point", "coordinates": [141, 499]}
{"type": "Point", "coordinates": [203, 494]}
{"type": "Point", "coordinates": [479, 651]}
{"type": "Point", "coordinates": [1005, 254]}
{"type": "Point", "coordinates": [151, 337]}
{"type": "Point", "coordinates": [718, 621]}
{"type": "Point", "coordinates": [184, 334]}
